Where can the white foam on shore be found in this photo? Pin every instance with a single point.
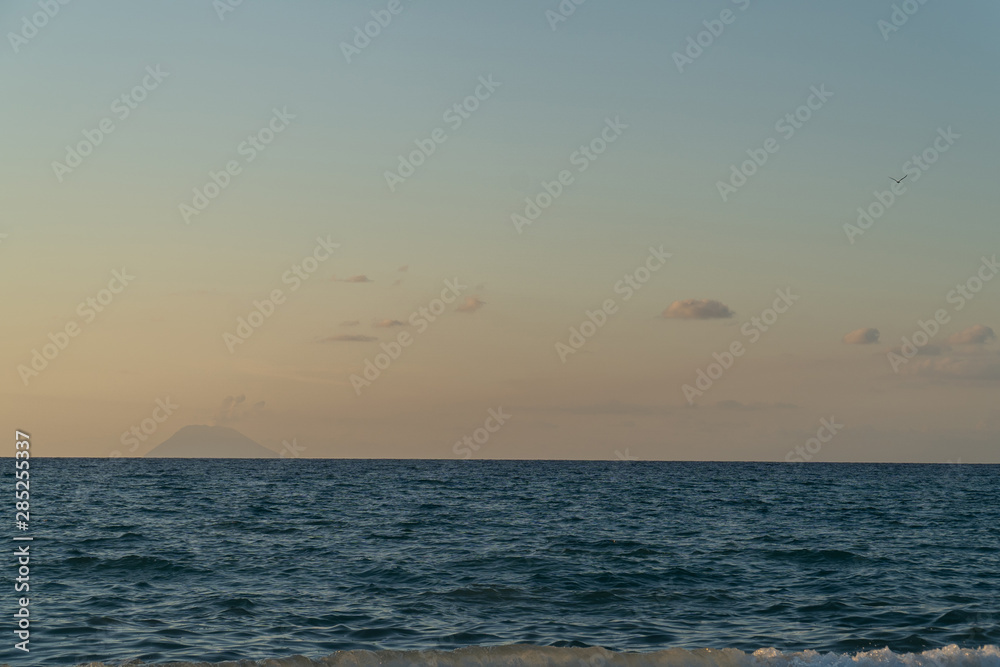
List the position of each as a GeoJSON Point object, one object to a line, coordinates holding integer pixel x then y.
{"type": "Point", "coordinates": [550, 656]}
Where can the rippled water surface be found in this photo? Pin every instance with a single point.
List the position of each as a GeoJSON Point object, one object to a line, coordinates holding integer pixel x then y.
{"type": "Point", "coordinates": [170, 560]}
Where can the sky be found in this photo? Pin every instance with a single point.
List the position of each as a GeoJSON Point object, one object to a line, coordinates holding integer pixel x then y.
{"type": "Point", "coordinates": [591, 202]}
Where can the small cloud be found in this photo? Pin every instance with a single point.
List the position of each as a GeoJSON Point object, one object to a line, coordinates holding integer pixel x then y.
{"type": "Point", "coordinates": [956, 367]}
{"type": "Point", "coordinates": [404, 268]}
{"type": "Point", "coordinates": [350, 323]}
{"type": "Point", "coordinates": [398, 282]}
{"type": "Point", "coordinates": [612, 407]}
{"type": "Point", "coordinates": [544, 425]}
{"type": "Point", "coordinates": [697, 309]}
{"type": "Point", "coordinates": [737, 405]}
{"type": "Point", "coordinates": [866, 336]}
{"type": "Point", "coordinates": [234, 409]}
{"type": "Point", "coordinates": [471, 305]}
{"type": "Point", "coordinates": [930, 350]}
{"type": "Point", "coordinates": [963, 357]}
{"type": "Point", "coordinates": [977, 334]}
{"type": "Point", "coordinates": [358, 279]}
{"type": "Point", "coordinates": [385, 324]}
{"type": "Point", "coordinates": [349, 338]}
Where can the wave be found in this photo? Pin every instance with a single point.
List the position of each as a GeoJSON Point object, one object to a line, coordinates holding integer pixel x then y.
{"type": "Point", "coordinates": [520, 655]}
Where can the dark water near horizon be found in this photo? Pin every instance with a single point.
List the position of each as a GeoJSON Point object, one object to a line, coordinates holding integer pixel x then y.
{"type": "Point", "coordinates": [213, 560]}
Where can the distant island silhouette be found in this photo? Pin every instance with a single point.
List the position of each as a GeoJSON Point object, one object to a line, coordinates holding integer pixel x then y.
{"type": "Point", "coordinates": [210, 442]}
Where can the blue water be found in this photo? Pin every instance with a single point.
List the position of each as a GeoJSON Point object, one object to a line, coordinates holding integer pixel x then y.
{"type": "Point", "coordinates": [184, 560]}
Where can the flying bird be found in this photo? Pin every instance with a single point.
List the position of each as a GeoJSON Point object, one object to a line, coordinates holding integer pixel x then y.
{"type": "Point", "coordinates": [899, 181]}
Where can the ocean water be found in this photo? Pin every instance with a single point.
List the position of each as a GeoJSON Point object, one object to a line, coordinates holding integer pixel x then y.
{"type": "Point", "coordinates": [512, 563]}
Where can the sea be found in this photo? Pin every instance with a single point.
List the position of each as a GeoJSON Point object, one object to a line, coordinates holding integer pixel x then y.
{"type": "Point", "coordinates": [401, 562]}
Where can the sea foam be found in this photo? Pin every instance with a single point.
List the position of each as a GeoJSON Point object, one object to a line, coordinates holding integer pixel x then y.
{"type": "Point", "coordinates": [550, 656]}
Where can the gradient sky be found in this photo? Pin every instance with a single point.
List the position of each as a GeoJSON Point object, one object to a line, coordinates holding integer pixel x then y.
{"type": "Point", "coordinates": [621, 396]}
